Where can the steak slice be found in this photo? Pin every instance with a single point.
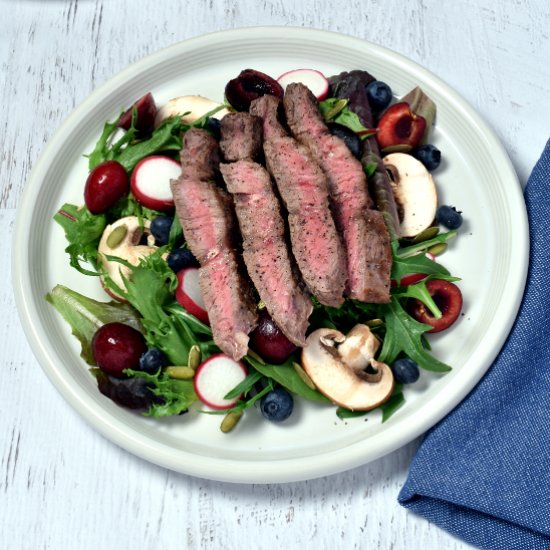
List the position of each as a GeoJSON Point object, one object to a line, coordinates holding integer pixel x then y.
{"type": "Point", "coordinates": [303, 186]}
{"type": "Point", "coordinates": [208, 225]}
{"type": "Point", "coordinates": [264, 247]}
{"type": "Point", "coordinates": [367, 248]}
{"type": "Point", "coordinates": [241, 136]}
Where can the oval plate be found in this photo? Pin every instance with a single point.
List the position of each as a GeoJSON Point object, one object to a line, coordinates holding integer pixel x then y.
{"type": "Point", "coordinates": [476, 176]}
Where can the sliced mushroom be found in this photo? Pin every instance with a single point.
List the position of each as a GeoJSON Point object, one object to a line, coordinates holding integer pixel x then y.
{"type": "Point", "coordinates": [346, 372]}
{"type": "Point", "coordinates": [124, 239]}
{"type": "Point", "coordinates": [414, 191]}
{"type": "Point", "coordinates": [190, 107]}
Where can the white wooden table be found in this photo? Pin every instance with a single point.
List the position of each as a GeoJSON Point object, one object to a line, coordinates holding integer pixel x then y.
{"type": "Point", "coordinates": [62, 486]}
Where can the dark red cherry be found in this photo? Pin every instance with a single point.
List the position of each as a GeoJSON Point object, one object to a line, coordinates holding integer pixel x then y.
{"type": "Point", "coordinates": [268, 340]}
{"type": "Point", "coordinates": [116, 347]}
{"type": "Point", "coordinates": [448, 299]}
{"type": "Point", "coordinates": [250, 85]}
{"type": "Point", "coordinates": [146, 111]}
{"type": "Point", "coordinates": [400, 126]}
{"type": "Point", "coordinates": [106, 184]}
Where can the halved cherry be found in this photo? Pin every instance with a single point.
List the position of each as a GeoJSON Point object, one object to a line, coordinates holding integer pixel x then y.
{"type": "Point", "coordinates": [146, 110]}
{"type": "Point", "coordinates": [448, 299]}
{"type": "Point", "coordinates": [400, 126]}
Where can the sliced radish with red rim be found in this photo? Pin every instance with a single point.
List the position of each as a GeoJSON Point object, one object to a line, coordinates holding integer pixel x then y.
{"type": "Point", "coordinates": [216, 377]}
{"type": "Point", "coordinates": [313, 79]}
{"type": "Point", "coordinates": [189, 295]}
{"type": "Point", "coordinates": [150, 182]}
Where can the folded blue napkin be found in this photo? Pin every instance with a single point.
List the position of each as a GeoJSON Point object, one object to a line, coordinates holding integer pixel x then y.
{"type": "Point", "coordinates": [483, 473]}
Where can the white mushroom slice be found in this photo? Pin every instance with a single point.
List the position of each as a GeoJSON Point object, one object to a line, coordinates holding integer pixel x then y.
{"type": "Point", "coordinates": [121, 239]}
{"type": "Point", "coordinates": [354, 390]}
{"type": "Point", "coordinates": [414, 191]}
{"type": "Point", "coordinates": [359, 347]}
{"type": "Point", "coordinates": [190, 107]}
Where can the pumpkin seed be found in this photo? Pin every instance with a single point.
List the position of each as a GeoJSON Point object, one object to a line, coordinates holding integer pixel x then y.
{"type": "Point", "coordinates": [304, 376]}
{"type": "Point", "coordinates": [426, 235]}
{"type": "Point", "coordinates": [374, 323]}
{"type": "Point", "coordinates": [194, 359]}
{"type": "Point", "coordinates": [230, 421]}
{"type": "Point", "coordinates": [180, 373]}
{"type": "Point", "coordinates": [117, 236]}
{"type": "Point", "coordinates": [437, 249]}
{"type": "Point", "coordinates": [254, 355]}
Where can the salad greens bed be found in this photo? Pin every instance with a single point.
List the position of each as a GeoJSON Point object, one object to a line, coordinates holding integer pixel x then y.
{"type": "Point", "coordinates": [151, 306]}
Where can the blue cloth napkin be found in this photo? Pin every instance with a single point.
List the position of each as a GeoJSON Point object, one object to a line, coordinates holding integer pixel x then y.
{"type": "Point", "coordinates": [483, 473]}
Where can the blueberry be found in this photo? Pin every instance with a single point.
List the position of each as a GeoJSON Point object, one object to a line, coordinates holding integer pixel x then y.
{"type": "Point", "coordinates": [152, 360]}
{"type": "Point", "coordinates": [449, 216]}
{"type": "Point", "coordinates": [213, 124]}
{"type": "Point", "coordinates": [160, 229]}
{"type": "Point", "coordinates": [349, 137]}
{"type": "Point", "coordinates": [277, 405]}
{"type": "Point", "coordinates": [180, 258]}
{"type": "Point", "coordinates": [405, 370]}
{"type": "Point", "coordinates": [429, 155]}
{"type": "Point", "coordinates": [379, 95]}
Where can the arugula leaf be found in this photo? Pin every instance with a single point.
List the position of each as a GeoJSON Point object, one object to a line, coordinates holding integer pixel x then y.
{"type": "Point", "coordinates": [245, 386]}
{"type": "Point", "coordinates": [285, 375]}
{"type": "Point", "coordinates": [343, 318]}
{"type": "Point", "coordinates": [177, 395]}
{"type": "Point", "coordinates": [419, 263]}
{"type": "Point", "coordinates": [86, 315]}
{"type": "Point", "coordinates": [423, 246]}
{"type": "Point", "coordinates": [83, 230]}
{"type": "Point", "coordinates": [404, 335]}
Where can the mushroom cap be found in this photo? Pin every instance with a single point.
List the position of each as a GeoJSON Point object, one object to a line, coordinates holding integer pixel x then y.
{"type": "Point", "coordinates": [333, 377]}
{"type": "Point", "coordinates": [128, 248]}
{"type": "Point", "coordinates": [414, 191]}
{"type": "Point", "coordinates": [195, 106]}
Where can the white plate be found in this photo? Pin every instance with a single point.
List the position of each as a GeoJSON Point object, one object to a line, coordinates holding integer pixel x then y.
{"type": "Point", "coordinates": [490, 256]}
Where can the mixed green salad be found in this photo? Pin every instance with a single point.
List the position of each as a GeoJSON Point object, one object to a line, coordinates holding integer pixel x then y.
{"type": "Point", "coordinates": [164, 346]}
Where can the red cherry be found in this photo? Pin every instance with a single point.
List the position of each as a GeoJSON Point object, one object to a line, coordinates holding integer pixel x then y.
{"type": "Point", "coordinates": [116, 347]}
{"type": "Point", "coordinates": [400, 126]}
{"type": "Point", "coordinates": [448, 299]}
{"type": "Point", "coordinates": [146, 111]}
{"type": "Point", "coordinates": [268, 340]}
{"type": "Point", "coordinates": [106, 184]}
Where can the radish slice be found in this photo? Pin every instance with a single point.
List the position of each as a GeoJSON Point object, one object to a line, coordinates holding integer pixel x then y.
{"type": "Point", "coordinates": [215, 378]}
{"type": "Point", "coordinates": [313, 79]}
{"type": "Point", "coordinates": [189, 295]}
{"type": "Point", "coordinates": [150, 182]}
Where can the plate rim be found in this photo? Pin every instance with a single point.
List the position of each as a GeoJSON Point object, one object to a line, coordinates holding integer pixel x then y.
{"type": "Point", "coordinates": [286, 470]}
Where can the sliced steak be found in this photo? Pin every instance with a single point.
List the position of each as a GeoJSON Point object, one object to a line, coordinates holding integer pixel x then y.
{"type": "Point", "coordinates": [265, 250]}
{"type": "Point", "coordinates": [208, 225]}
{"type": "Point", "coordinates": [303, 187]}
{"type": "Point", "coordinates": [241, 136]}
{"type": "Point", "coordinates": [351, 202]}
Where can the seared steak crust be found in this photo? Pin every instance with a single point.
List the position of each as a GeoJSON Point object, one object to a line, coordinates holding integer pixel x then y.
{"type": "Point", "coordinates": [241, 136]}
{"type": "Point", "coordinates": [303, 187]}
{"type": "Point", "coordinates": [264, 248]}
{"type": "Point", "coordinates": [208, 225]}
{"type": "Point", "coordinates": [368, 248]}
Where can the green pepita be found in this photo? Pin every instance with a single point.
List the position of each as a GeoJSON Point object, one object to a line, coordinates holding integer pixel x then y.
{"type": "Point", "coordinates": [230, 420]}
{"type": "Point", "coordinates": [304, 376]}
{"type": "Point", "coordinates": [180, 373]}
{"type": "Point", "coordinates": [437, 249]}
{"type": "Point", "coordinates": [194, 359]}
{"type": "Point", "coordinates": [117, 236]}
{"type": "Point", "coordinates": [374, 323]}
{"type": "Point", "coordinates": [426, 235]}
{"type": "Point", "coordinates": [254, 355]}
